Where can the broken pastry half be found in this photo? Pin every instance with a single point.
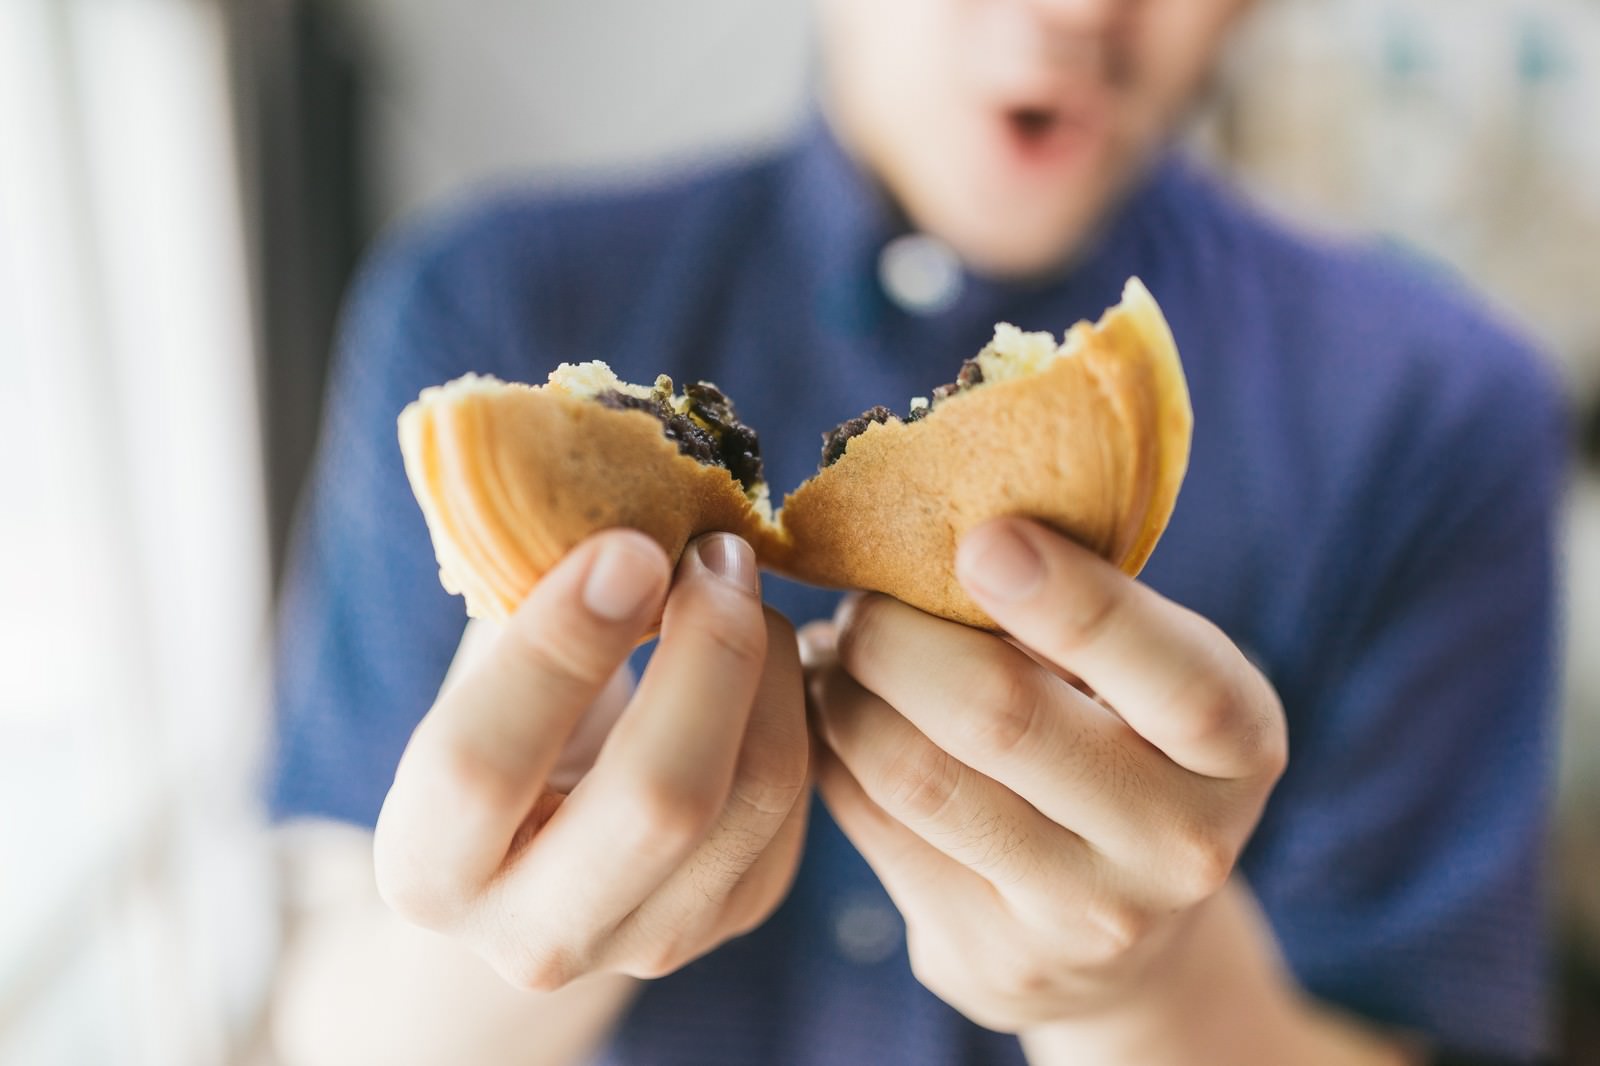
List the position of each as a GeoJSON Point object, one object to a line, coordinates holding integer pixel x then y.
{"type": "Point", "coordinates": [1090, 436]}
{"type": "Point", "coordinates": [511, 477]}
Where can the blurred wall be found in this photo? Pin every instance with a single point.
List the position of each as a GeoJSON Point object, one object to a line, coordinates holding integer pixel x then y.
{"type": "Point", "coordinates": [462, 93]}
{"type": "Point", "coordinates": [1467, 131]}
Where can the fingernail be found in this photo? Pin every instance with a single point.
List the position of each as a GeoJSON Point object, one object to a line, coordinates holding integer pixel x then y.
{"type": "Point", "coordinates": [620, 581]}
{"type": "Point", "coordinates": [1003, 565]}
{"type": "Point", "coordinates": [730, 558]}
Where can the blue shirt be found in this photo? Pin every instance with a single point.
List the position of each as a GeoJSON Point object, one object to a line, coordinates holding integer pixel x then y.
{"type": "Point", "coordinates": [1368, 513]}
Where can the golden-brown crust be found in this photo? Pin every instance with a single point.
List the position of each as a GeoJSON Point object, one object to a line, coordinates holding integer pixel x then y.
{"type": "Point", "coordinates": [511, 477]}
{"type": "Point", "coordinates": [1137, 331]}
{"type": "Point", "coordinates": [1094, 445]}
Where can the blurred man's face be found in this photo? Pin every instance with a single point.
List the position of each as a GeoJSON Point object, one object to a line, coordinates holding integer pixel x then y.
{"type": "Point", "coordinates": [1010, 127]}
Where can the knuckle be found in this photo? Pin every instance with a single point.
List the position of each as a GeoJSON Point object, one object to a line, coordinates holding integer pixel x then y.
{"type": "Point", "coordinates": [413, 898]}
{"type": "Point", "coordinates": [1231, 707]}
{"type": "Point", "coordinates": [926, 961]}
{"type": "Point", "coordinates": [1271, 735]}
{"type": "Point", "coordinates": [861, 632]}
{"type": "Point", "coordinates": [727, 626]}
{"type": "Point", "coordinates": [1026, 981]}
{"type": "Point", "coordinates": [752, 909]}
{"type": "Point", "coordinates": [792, 772]}
{"type": "Point", "coordinates": [659, 942]}
{"type": "Point", "coordinates": [1002, 713]}
{"type": "Point", "coordinates": [772, 774]}
{"type": "Point", "coordinates": [996, 844]}
{"type": "Point", "coordinates": [655, 962]}
{"type": "Point", "coordinates": [920, 781]}
{"type": "Point", "coordinates": [1097, 612]}
{"type": "Point", "coordinates": [1261, 741]}
{"type": "Point", "coordinates": [649, 969]}
{"type": "Point", "coordinates": [1116, 773]}
{"type": "Point", "coordinates": [747, 920]}
{"type": "Point", "coordinates": [1211, 714]}
{"type": "Point", "coordinates": [416, 887]}
{"type": "Point", "coordinates": [573, 653]}
{"type": "Point", "coordinates": [1121, 926]}
{"type": "Point", "coordinates": [836, 696]}
{"type": "Point", "coordinates": [667, 817]}
{"type": "Point", "coordinates": [725, 858]}
{"type": "Point", "coordinates": [1200, 864]}
{"type": "Point", "coordinates": [471, 783]}
{"type": "Point", "coordinates": [1275, 753]}
{"type": "Point", "coordinates": [934, 968]}
{"type": "Point", "coordinates": [770, 797]}
{"type": "Point", "coordinates": [544, 971]}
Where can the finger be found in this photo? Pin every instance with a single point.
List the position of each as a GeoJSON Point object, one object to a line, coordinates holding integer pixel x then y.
{"type": "Point", "coordinates": [1045, 664]}
{"type": "Point", "coordinates": [994, 709]}
{"type": "Point", "coordinates": [476, 640]}
{"type": "Point", "coordinates": [768, 880]}
{"type": "Point", "coordinates": [972, 818]}
{"type": "Point", "coordinates": [578, 754]}
{"type": "Point", "coordinates": [666, 769]}
{"type": "Point", "coordinates": [662, 935]}
{"type": "Point", "coordinates": [816, 640]}
{"type": "Point", "coordinates": [925, 884]}
{"type": "Point", "coordinates": [1173, 676]}
{"type": "Point", "coordinates": [770, 778]}
{"type": "Point", "coordinates": [477, 763]}
{"type": "Point", "coordinates": [741, 862]}
{"type": "Point", "coordinates": [1088, 917]}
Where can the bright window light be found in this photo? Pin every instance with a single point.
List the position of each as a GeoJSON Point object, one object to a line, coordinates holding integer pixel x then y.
{"type": "Point", "coordinates": [136, 905]}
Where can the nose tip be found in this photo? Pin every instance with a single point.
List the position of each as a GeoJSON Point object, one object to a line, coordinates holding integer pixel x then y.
{"type": "Point", "coordinates": [1080, 16]}
{"type": "Point", "coordinates": [1048, 41]}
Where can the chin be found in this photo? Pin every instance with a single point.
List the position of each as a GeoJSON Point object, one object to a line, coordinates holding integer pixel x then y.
{"type": "Point", "coordinates": [1035, 241]}
{"type": "Point", "coordinates": [994, 257]}
{"type": "Point", "coordinates": [1011, 222]}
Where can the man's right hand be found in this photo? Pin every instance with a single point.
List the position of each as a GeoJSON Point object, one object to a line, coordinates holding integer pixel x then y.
{"type": "Point", "coordinates": [687, 829]}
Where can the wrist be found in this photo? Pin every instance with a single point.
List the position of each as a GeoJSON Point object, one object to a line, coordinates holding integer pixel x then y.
{"type": "Point", "coordinates": [1218, 993]}
{"type": "Point", "coordinates": [1172, 1011]}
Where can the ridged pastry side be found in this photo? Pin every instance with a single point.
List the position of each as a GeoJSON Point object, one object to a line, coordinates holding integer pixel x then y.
{"type": "Point", "coordinates": [1136, 331]}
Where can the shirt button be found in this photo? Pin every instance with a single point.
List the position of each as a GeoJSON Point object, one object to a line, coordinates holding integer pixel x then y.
{"type": "Point", "coordinates": [921, 274]}
{"type": "Point", "coordinates": [866, 930]}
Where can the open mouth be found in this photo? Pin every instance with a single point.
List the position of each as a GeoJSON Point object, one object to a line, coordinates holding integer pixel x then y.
{"type": "Point", "coordinates": [1033, 125]}
{"type": "Point", "coordinates": [1044, 135]}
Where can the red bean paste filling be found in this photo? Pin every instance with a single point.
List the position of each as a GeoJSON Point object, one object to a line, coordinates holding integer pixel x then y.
{"type": "Point", "coordinates": [709, 432]}
{"type": "Point", "coordinates": [837, 439]}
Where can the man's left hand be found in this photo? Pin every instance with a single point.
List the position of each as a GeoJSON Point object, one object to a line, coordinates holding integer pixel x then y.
{"type": "Point", "coordinates": [1050, 812]}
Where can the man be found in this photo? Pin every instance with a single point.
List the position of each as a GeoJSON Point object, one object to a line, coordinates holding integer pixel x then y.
{"type": "Point", "coordinates": [1005, 868]}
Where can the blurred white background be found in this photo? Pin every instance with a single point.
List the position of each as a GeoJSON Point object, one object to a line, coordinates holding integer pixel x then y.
{"type": "Point", "coordinates": [173, 175]}
{"type": "Point", "coordinates": [135, 898]}
{"type": "Point", "coordinates": [520, 89]}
